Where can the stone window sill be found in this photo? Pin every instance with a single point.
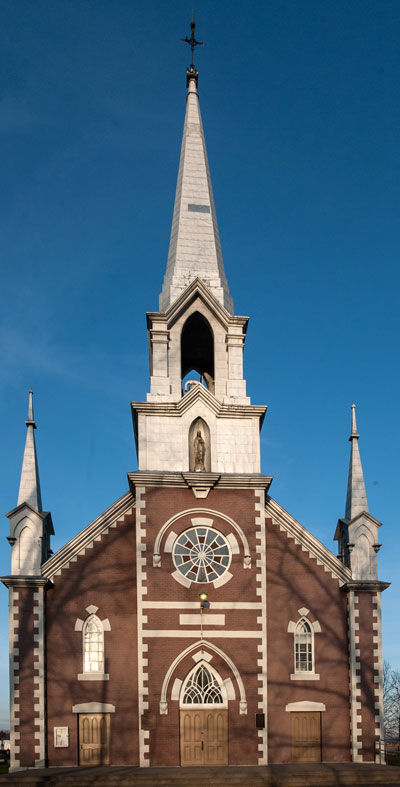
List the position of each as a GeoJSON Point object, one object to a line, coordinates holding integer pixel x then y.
{"type": "Point", "coordinates": [92, 676]}
{"type": "Point", "coordinates": [304, 676]}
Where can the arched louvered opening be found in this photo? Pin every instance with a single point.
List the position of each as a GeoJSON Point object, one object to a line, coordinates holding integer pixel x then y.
{"type": "Point", "coordinates": [197, 350]}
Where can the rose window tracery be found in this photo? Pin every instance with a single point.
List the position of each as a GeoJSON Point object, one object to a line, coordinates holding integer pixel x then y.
{"type": "Point", "coordinates": [201, 554]}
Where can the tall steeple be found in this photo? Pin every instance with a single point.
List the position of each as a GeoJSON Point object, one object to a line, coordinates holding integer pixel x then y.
{"type": "Point", "coordinates": [194, 248]}
{"type": "Point", "coordinates": [29, 487]}
{"type": "Point", "coordinates": [356, 500]}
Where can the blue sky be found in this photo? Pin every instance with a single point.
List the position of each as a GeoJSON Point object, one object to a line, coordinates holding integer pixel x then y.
{"type": "Point", "coordinates": [301, 111]}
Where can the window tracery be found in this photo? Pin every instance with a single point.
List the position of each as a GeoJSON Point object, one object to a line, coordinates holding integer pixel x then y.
{"type": "Point", "coordinates": [203, 687]}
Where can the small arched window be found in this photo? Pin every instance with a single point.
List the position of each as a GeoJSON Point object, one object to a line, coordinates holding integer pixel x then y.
{"type": "Point", "coordinates": [93, 645]}
{"type": "Point", "coordinates": [303, 645]}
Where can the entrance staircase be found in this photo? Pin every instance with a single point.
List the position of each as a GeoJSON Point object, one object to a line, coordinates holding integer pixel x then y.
{"type": "Point", "coordinates": [286, 775]}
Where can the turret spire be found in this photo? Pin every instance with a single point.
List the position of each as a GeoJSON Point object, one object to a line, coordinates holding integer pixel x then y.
{"type": "Point", "coordinates": [356, 500]}
{"type": "Point", "coordinates": [29, 487]}
{"type": "Point", "coordinates": [194, 248]}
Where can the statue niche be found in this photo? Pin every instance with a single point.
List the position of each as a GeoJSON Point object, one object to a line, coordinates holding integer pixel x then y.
{"type": "Point", "coordinates": [199, 447]}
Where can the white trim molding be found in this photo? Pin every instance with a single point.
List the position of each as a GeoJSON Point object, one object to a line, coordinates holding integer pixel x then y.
{"type": "Point", "coordinates": [305, 705]}
{"type": "Point", "coordinates": [378, 670]}
{"type": "Point", "coordinates": [39, 692]}
{"type": "Point", "coordinates": [354, 679]}
{"type": "Point", "coordinates": [141, 589]}
{"type": "Point", "coordinates": [13, 619]}
{"type": "Point", "coordinates": [93, 707]}
{"type": "Point", "coordinates": [261, 591]}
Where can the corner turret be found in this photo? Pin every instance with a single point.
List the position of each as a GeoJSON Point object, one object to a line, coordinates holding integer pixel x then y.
{"type": "Point", "coordinates": [357, 532]}
{"type": "Point", "coordinates": [30, 526]}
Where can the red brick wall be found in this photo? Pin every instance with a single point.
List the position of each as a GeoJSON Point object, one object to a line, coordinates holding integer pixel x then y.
{"type": "Point", "coordinates": [294, 581]}
{"type": "Point", "coordinates": [160, 505]}
{"type": "Point", "coordinates": [106, 577]}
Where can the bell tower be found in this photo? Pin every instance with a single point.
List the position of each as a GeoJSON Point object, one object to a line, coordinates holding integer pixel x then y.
{"type": "Point", "coordinates": [196, 341]}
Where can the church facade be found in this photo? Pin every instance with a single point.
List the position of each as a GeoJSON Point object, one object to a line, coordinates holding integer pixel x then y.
{"type": "Point", "coordinates": [195, 621]}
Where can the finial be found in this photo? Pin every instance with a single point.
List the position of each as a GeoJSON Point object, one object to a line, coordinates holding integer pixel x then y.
{"type": "Point", "coordinates": [191, 71]}
{"type": "Point", "coordinates": [30, 420]}
{"type": "Point", "coordinates": [354, 433]}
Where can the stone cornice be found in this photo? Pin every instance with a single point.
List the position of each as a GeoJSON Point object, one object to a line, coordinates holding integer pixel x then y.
{"type": "Point", "coordinates": [310, 544]}
{"type": "Point", "coordinates": [202, 479]}
{"type": "Point", "coordinates": [85, 538]}
{"type": "Point", "coordinates": [366, 585]}
{"type": "Point", "coordinates": [196, 393]}
{"type": "Point", "coordinates": [25, 582]}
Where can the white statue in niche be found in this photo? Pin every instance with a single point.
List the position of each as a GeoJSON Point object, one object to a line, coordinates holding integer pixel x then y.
{"type": "Point", "coordinates": [199, 446]}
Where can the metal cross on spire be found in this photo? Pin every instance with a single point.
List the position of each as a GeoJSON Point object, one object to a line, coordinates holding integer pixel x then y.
{"type": "Point", "coordinates": [192, 41]}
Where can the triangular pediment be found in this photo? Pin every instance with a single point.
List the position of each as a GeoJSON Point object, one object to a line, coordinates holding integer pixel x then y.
{"type": "Point", "coordinates": [91, 533]}
{"type": "Point", "coordinates": [197, 289]}
{"type": "Point", "coordinates": [308, 542]}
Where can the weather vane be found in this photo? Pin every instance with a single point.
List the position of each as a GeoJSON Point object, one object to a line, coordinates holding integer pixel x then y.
{"type": "Point", "coordinates": [192, 41]}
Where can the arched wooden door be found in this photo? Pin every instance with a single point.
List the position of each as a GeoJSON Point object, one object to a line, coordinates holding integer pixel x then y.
{"type": "Point", "coordinates": [203, 718]}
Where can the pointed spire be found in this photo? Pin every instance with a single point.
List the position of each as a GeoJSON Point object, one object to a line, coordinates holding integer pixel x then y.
{"type": "Point", "coordinates": [29, 487]}
{"type": "Point", "coordinates": [356, 500]}
{"type": "Point", "coordinates": [194, 248]}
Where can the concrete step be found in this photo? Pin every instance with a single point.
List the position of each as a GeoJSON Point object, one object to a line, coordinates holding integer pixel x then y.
{"type": "Point", "coordinates": [285, 775]}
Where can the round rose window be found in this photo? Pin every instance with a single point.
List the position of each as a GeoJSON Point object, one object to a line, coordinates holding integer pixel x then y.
{"type": "Point", "coordinates": [201, 554]}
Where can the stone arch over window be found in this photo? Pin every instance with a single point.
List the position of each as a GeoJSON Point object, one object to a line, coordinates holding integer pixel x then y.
{"type": "Point", "coordinates": [203, 687]}
{"type": "Point", "coordinates": [303, 631]}
{"type": "Point", "coordinates": [201, 516]}
{"type": "Point", "coordinates": [198, 459]}
{"type": "Point", "coordinates": [93, 657]}
{"type": "Point", "coordinates": [197, 349]}
{"type": "Point", "coordinates": [202, 652]}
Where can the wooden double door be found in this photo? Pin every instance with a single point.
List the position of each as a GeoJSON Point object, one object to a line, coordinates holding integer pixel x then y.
{"type": "Point", "coordinates": [305, 728]}
{"type": "Point", "coordinates": [94, 739]}
{"type": "Point", "coordinates": [204, 737]}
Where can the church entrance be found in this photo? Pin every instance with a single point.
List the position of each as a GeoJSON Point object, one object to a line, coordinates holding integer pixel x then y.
{"type": "Point", "coordinates": [94, 739]}
{"type": "Point", "coordinates": [203, 718]}
{"type": "Point", "coordinates": [305, 728]}
{"type": "Point", "coordinates": [204, 737]}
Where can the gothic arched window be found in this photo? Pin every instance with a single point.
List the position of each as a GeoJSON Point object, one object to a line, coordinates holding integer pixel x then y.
{"type": "Point", "coordinates": [303, 645]}
{"type": "Point", "coordinates": [93, 645]}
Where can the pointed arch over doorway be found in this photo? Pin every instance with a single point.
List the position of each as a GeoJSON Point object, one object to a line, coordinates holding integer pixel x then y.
{"type": "Point", "coordinates": [202, 650]}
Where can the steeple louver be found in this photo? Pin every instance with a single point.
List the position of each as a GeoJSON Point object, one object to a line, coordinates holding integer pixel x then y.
{"type": "Point", "coordinates": [194, 249]}
{"type": "Point", "coordinates": [29, 487]}
{"type": "Point", "coordinates": [356, 500]}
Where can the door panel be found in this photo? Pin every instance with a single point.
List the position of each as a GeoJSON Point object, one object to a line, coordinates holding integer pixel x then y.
{"type": "Point", "coordinates": [306, 736]}
{"type": "Point", "coordinates": [204, 737]}
{"type": "Point", "coordinates": [94, 739]}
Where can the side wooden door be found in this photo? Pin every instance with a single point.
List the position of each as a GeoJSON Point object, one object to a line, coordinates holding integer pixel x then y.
{"type": "Point", "coordinates": [94, 739]}
{"type": "Point", "coordinates": [306, 736]}
{"type": "Point", "coordinates": [204, 737]}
